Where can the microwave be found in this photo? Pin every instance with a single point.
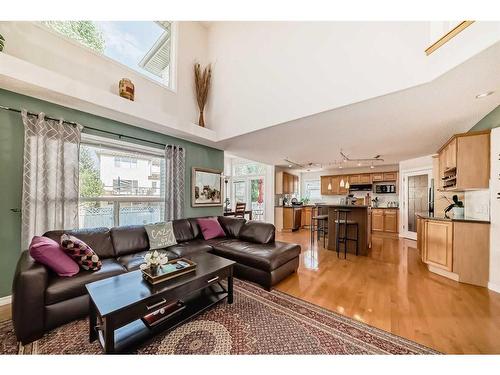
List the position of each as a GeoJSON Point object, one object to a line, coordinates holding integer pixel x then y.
{"type": "Point", "coordinates": [385, 189]}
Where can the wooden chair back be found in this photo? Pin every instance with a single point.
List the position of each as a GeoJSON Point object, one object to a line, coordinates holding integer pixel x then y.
{"type": "Point", "coordinates": [240, 209]}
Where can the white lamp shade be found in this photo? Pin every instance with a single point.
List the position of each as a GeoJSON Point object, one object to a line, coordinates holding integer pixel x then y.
{"type": "Point", "coordinates": [329, 186]}
{"type": "Point", "coordinates": [342, 183]}
{"type": "Point", "coordinates": [347, 186]}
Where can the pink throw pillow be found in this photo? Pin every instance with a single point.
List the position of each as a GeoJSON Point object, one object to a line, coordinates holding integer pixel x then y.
{"type": "Point", "coordinates": [210, 228]}
{"type": "Point", "coordinates": [81, 253]}
{"type": "Point", "coordinates": [49, 253]}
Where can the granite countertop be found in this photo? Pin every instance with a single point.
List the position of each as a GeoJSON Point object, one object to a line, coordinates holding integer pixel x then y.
{"type": "Point", "coordinates": [385, 207]}
{"type": "Point", "coordinates": [442, 218]}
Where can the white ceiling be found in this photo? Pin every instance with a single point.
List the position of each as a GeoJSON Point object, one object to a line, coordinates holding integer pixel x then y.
{"type": "Point", "coordinates": [398, 126]}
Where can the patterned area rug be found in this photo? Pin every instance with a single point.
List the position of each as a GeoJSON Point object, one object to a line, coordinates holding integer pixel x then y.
{"type": "Point", "coordinates": [258, 322]}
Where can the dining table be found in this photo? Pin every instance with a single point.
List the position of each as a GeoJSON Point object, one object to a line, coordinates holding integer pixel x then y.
{"type": "Point", "coordinates": [233, 213]}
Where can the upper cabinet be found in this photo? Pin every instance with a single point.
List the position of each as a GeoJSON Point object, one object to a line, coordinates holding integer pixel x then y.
{"type": "Point", "coordinates": [464, 162]}
{"type": "Point", "coordinates": [390, 176]}
{"type": "Point", "coordinates": [332, 185]}
{"type": "Point", "coordinates": [360, 179]}
{"type": "Point", "coordinates": [286, 183]}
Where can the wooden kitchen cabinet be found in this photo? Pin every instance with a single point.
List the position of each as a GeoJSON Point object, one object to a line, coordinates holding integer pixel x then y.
{"type": "Point", "coordinates": [291, 184]}
{"type": "Point", "coordinates": [354, 179]}
{"type": "Point", "coordinates": [420, 236]}
{"type": "Point", "coordinates": [390, 176]}
{"type": "Point", "coordinates": [391, 221]}
{"type": "Point", "coordinates": [385, 220]}
{"type": "Point", "coordinates": [438, 244]}
{"type": "Point", "coordinates": [287, 218]}
{"type": "Point", "coordinates": [296, 184]}
{"type": "Point", "coordinates": [286, 183]}
{"type": "Point", "coordinates": [343, 190]}
{"type": "Point", "coordinates": [460, 248]}
{"type": "Point", "coordinates": [464, 162]}
{"type": "Point", "coordinates": [365, 178]}
{"type": "Point", "coordinates": [291, 218]}
{"type": "Point", "coordinates": [306, 216]}
{"type": "Point", "coordinates": [334, 182]}
{"type": "Point", "coordinates": [471, 252]}
{"type": "Point", "coordinates": [377, 220]}
{"type": "Point", "coordinates": [325, 180]}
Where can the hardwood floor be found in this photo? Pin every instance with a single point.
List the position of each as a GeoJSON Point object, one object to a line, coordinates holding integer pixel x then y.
{"type": "Point", "coordinates": [392, 289]}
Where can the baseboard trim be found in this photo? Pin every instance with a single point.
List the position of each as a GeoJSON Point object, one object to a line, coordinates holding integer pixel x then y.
{"type": "Point", "coordinates": [7, 300]}
{"type": "Point", "coordinates": [494, 287]}
{"type": "Point", "coordinates": [444, 273]}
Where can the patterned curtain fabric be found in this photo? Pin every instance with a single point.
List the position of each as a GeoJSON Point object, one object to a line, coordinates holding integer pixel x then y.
{"type": "Point", "coordinates": [50, 178]}
{"type": "Point", "coordinates": [174, 182]}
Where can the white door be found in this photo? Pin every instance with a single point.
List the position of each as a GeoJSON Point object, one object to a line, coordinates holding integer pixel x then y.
{"type": "Point", "coordinates": [250, 190]}
{"type": "Point", "coordinates": [416, 185]}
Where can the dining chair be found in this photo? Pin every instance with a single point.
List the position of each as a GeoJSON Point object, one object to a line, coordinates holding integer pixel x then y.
{"type": "Point", "coordinates": [240, 209]}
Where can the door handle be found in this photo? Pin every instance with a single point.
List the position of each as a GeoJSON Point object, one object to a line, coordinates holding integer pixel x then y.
{"type": "Point", "coordinates": [158, 304]}
{"type": "Point", "coordinates": [213, 279]}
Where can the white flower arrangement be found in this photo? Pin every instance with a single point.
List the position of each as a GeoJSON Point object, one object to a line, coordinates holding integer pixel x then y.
{"type": "Point", "coordinates": [154, 259]}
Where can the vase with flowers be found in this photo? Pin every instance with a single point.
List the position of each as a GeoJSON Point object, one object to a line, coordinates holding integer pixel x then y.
{"type": "Point", "coordinates": [153, 261]}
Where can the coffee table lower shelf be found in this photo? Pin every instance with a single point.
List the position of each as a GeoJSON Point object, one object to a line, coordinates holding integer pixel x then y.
{"type": "Point", "coordinates": [130, 336]}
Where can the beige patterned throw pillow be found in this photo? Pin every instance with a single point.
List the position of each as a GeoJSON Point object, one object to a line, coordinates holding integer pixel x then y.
{"type": "Point", "coordinates": [160, 235]}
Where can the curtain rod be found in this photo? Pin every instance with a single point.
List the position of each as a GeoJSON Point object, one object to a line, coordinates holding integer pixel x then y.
{"type": "Point", "coordinates": [120, 136]}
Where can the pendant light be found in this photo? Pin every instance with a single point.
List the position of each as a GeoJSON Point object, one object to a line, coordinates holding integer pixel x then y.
{"type": "Point", "coordinates": [329, 187]}
{"type": "Point", "coordinates": [342, 183]}
{"type": "Point", "coordinates": [347, 186]}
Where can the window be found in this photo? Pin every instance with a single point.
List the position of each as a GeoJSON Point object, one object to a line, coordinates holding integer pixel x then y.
{"type": "Point", "coordinates": [247, 186]}
{"type": "Point", "coordinates": [144, 46]}
{"type": "Point", "coordinates": [312, 189]}
{"type": "Point", "coordinates": [125, 162]}
{"type": "Point", "coordinates": [112, 193]}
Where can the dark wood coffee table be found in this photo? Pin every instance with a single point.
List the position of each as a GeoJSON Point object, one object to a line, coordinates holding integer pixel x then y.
{"type": "Point", "coordinates": [118, 303]}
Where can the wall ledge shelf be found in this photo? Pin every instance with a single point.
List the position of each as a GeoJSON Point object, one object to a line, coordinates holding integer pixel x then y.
{"type": "Point", "coordinates": [25, 78]}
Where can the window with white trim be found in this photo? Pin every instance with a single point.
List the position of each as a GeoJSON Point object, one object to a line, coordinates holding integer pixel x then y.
{"type": "Point", "coordinates": [128, 192]}
{"type": "Point", "coordinates": [312, 189]}
{"type": "Point", "coordinates": [144, 46]}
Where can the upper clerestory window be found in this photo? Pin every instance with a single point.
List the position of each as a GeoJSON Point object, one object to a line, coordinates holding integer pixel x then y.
{"type": "Point", "coordinates": [144, 46]}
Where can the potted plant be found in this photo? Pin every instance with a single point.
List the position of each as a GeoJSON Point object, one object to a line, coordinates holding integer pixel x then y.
{"type": "Point", "coordinates": [154, 260]}
{"type": "Point", "coordinates": [457, 207]}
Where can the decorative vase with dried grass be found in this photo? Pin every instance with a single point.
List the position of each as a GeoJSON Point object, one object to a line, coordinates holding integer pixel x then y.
{"type": "Point", "coordinates": [202, 85]}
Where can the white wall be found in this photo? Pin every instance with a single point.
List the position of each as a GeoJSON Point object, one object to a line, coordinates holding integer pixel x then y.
{"type": "Point", "coordinates": [267, 73]}
{"type": "Point", "coordinates": [47, 49]}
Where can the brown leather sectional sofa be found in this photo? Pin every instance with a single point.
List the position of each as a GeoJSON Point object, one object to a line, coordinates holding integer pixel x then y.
{"type": "Point", "coordinates": [41, 300]}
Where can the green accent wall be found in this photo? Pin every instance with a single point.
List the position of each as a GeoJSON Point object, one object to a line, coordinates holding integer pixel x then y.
{"type": "Point", "coordinates": [490, 121]}
{"type": "Point", "coordinates": [11, 167]}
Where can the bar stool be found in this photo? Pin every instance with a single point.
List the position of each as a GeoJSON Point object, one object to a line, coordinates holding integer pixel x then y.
{"type": "Point", "coordinates": [341, 219]}
{"type": "Point", "coordinates": [319, 224]}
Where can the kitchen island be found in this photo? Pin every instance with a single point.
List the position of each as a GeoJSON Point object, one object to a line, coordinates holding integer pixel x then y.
{"type": "Point", "coordinates": [359, 214]}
